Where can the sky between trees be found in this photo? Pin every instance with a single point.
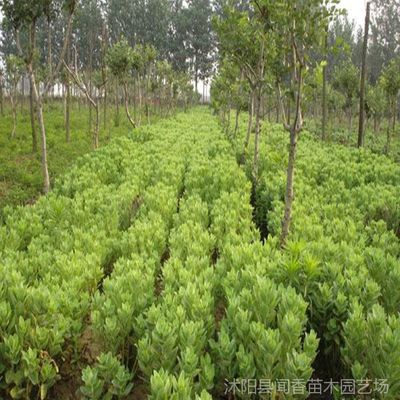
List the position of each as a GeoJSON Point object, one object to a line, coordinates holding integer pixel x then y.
{"type": "Point", "coordinates": [356, 10]}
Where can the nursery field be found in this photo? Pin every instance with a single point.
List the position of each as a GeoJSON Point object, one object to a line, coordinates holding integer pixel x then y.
{"type": "Point", "coordinates": [153, 270]}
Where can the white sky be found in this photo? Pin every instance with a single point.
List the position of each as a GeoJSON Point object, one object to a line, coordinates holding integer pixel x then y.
{"type": "Point", "coordinates": [356, 10]}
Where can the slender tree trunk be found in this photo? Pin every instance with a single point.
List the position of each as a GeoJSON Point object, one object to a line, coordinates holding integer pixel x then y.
{"type": "Point", "coordinates": [97, 126]}
{"type": "Point", "coordinates": [64, 101]}
{"type": "Point", "coordinates": [278, 107]}
{"type": "Point", "coordinates": [394, 115]}
{"type": "Point", "coordinates": [104, 71]}
{"type": "Point", "coordinates": [68, 112]}
{"type": "Point", "coordinates": [294, 131]}
{"type": "Point", "coordinates": [375, 124]}
{"type": "Point", "coordinates": [90, 80]}
{"type": "Point", "coordinates": [289, 195]}
{"type": "Point", "coordinates": [237, 120]}
{"type": "Point", "coordinates": [324, 78]}
{"type": "Point", "coordinates": [350, 120]}
{"type": "Point", "coordinates": [250, 124]}
{"type": "Point", "coordinates": [134, 99]}
{"type": "Point", "coordinates": [391, 126]}
{"type": "Point", "coordinates": [117, 116]}
{"type": "Point", "coordinates": [289, 109]}
{"type": "Point", "coordinates": [228, 123]}
{"type": "Point", "coordinates": [128, 114]}
{"type": "Point", "coordinates": [22, 95]}
{"type": "Point", "coordinates": [148, 98]}
{"type": "Point", "coordinates": [90, 111]}
{"type": "Point", "coordinates": [14, 114]}
{"type": "Point", "coordinates": [68, 96]}
{"type": "Point", "coordinates": [140, 101]}
{"type": "Point", "coordinates": [105, 107]}
{"type": "Point", "coordinates": [257, 135]}
{"type": "Point", "coordinates": [269, 110]}
{"type": "Point", "coordinates": [363, 78]}
{"type": "Point", "coordinates": [39, 109]}
{"type": "Point", "coordinates": [260, 73]}
{"type": "Point", "coordinates": [388, 137]}
{"type": "Point", "coordinates": [33, 124]}
{"type": "Point", "coordinates": [1, 97]}
{"type": "Point", "coordinates": [49, 49]}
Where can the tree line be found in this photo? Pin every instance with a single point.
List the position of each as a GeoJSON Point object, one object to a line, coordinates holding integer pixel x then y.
{"type": "Point", "coordinates": [114, 51]}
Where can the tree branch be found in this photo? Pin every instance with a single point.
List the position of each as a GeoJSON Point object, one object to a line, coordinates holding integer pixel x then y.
{"type": "Point", "coordinates": [285, 120]}
{"type": "Point", "coordinates": [80, 84]}
{"type": "Point", "coordinates": [50, 82]}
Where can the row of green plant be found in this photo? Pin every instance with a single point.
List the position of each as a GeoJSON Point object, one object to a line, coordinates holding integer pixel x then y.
{"type": "Point", "coordinates": [174, 336]}
{"type": "Point", "coordinates": [129, 291]}
{"type": "Point", "coordinates": [343, 251]}
{"type": "Point", "coordinates": [56, 254]}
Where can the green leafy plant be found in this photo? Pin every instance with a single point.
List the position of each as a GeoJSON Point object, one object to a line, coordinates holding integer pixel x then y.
{"type": "Point", "coordinates": [107, 379]}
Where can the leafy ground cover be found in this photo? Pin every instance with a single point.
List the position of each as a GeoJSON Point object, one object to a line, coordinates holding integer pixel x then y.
{"type": "Point", "coordinates": [343, 254]}
{"type": "Point", "coordinates": [150, 271]}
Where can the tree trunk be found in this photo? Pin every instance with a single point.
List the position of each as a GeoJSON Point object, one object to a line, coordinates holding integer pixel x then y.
{"type": "Point", "coordinates": [324, 78]}
{"type": "Point", "coordinates": [14, 115]}
{"type": "Point", "coordinates": [391, 126]}
{"type": "Point", "coordinates": [294, 130]}
{"type": "Point", "coordinates": [250, 124]}
{"type": "Point", "coordinates": [350, 121]}
{"type": "Point", "coordinates": [140, 101]}
{"type": "Point", "coordinates": [117, 116]}
{"type": "Point", "coordinates": [260, 78]}
{"type": "Point", "coordinates": [376, 124]}
{"type": "Point", "coordinates": [91, 46]}
{"type": "Point", "coordinates": [363, 78]}
{"type": "Point", "coordinates": [148, 99]}
{"type": "Point", "coordinates": [257, 136]}
{"type": "Point", "coordinates": [49, 49]}
{"type": "Point", "coordinates": [90, 116]}
{"type": "Point", "coordinates": [278, 107]}
{"type": "Point", "coordinates": [22, 95]}
{"type": "Point", "coordinates": [269, 110]}
{"type": "Point", "coordinates": [39, 109]}
{"type": "Point", "coordinates": [228, 123]}
{"type": "Point", "coordinates": [128, 114]}
{"type": "Point", "coordinates": [105, 107]}
{"type": "Point", "coordinates": [237, 121]}
{"type": "Point", "coordinates": [289, 195]}
{"type": "Point", "coordinates": [394, 116]}
{"type": "Point", "coordinates": [134, 99]}
{"type": "Point", "coordinates": [68, 96]}
{"type": "Point", "coordinates": [68, 112]}
{"type": "Point", "coordinates": [104, 46]}
{"type": "Point", "coordinates": [97, 126]}
{"type": "Point", "coordinates": [32, 115]}
{"type": "Point", "coordinates": [388, 137]}
{"type": "Point", "coordinates": [1, 97]}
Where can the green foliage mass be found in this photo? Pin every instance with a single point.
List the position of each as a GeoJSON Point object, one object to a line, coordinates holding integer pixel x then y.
{"type": "Point", "coordinates": [150, 247]}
